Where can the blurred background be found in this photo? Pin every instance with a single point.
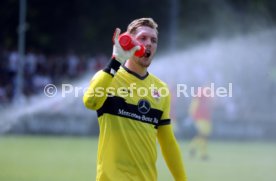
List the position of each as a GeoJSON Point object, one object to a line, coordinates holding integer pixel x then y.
{"type": "Point", "coordinates": [48, 135]}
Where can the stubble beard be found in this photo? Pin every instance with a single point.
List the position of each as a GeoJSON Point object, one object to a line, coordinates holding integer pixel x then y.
{"type": "Point", "coordinates": [145, 63]}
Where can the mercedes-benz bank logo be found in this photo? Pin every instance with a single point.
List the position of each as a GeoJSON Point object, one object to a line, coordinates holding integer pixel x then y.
{"type": "Point", "coordinates": [143, 106]}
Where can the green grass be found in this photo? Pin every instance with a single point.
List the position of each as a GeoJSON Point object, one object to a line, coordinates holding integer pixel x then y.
{"type": "Point", "coordinates": [74, 159]}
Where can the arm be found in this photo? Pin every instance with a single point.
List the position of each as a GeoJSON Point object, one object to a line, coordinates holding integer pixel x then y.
{"type": "Point", "coordinates": [169, 147]}
{"type": "Point", "coordinates": [96, 94]}
{"type": "Point", "coordinates": [193, 106]}
{"type": "Point", "coordinates": [171, 152]}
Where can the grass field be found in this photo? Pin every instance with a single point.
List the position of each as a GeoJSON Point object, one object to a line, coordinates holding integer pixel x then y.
{"type": "Point", "coordinates": [74, 159]}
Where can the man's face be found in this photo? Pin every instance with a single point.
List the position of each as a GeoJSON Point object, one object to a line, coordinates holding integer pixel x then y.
{"type": "Point", "coordinates": [147, 37]}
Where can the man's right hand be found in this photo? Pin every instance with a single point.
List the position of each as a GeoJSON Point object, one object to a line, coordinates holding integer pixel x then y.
{"type": "Point", "coordinates": [119, 53]}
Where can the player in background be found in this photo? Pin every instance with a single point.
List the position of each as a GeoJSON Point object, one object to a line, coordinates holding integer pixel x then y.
{"type": "Point", "coordinates": [200, 111]}
{"type": "Point", "coordinates": [131, 123]}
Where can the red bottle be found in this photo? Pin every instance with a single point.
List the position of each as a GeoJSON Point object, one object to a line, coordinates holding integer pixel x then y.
{"type": "Point", "coordinates": [127, 43]}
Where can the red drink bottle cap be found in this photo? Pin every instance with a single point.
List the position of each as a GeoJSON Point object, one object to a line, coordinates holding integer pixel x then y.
{"type": "Point", "coordinates": [141, 52]}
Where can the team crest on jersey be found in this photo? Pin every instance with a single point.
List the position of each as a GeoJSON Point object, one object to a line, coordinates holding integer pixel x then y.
{"type": "Point", "coordinates": [155, 94]}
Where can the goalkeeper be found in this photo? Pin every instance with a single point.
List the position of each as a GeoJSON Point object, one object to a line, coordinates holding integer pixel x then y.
{"type": "Point", "coordinates": [131, 122]}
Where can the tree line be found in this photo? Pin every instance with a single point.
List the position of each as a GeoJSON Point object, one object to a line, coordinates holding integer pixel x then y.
{"type": "Point", "coordinates": [87, 26]}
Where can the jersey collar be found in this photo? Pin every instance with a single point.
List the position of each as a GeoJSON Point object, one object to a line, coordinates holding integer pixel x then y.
{"type": "Point", "coordinates": [135, 74]}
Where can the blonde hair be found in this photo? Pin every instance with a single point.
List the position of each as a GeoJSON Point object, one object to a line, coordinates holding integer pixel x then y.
{"type": "Point", "coordinates": [149, 22]}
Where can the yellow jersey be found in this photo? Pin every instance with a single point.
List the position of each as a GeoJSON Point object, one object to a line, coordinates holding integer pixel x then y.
{"type": "Point", "coordinates": [129, 114]}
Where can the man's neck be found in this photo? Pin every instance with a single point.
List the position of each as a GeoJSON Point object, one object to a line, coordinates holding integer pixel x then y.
{"type": "Point", "coordinates": [133, 66]}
